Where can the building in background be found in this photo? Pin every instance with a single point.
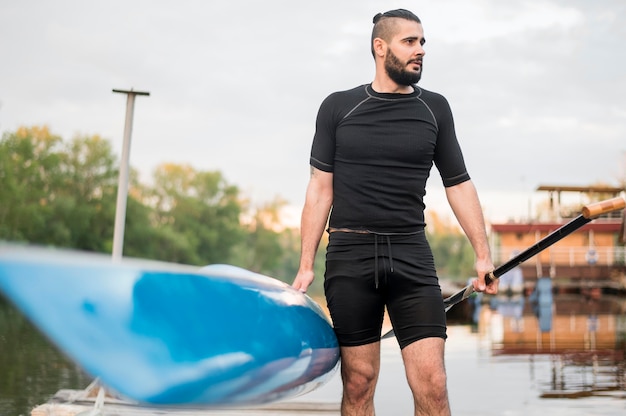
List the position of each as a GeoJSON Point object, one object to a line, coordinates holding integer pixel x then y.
{"type": "Point", "coordinates": [591, 260]}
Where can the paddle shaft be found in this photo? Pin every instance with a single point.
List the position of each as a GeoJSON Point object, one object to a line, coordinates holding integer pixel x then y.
{"type": "Point", "coordinates": [589, 212]}
{"type": "Point", "coordinates": [541, 245]}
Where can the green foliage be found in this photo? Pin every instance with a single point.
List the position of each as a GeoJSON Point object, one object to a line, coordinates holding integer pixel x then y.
{"type": "Point", "coordinates": [198, 214]}
{"type": "Point", "coordinates": [454, 256]}
{"type": "Point", "coordinates": [29, 176]}
{"type": "Point", "coordinates": [64, 195]}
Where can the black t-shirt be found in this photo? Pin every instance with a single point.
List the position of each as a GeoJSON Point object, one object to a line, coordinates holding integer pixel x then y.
{"type": "Point", "coordinates": [381, 148]}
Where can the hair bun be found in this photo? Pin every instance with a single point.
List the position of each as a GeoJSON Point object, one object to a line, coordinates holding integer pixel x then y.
{"type": "Point", "coordinates": [377, 18]}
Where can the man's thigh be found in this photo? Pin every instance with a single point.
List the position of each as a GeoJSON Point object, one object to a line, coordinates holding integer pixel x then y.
{"type": "Point", "coordinates": [424, 359]}
{"type": "Point", "coordinates": [414, 298]}
{"type": "Point", "coordinates": [356, 307]}
{"type": "Point", "coordinates": [355, 303]}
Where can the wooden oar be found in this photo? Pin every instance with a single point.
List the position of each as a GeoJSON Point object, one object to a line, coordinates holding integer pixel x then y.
{"type": "Point", "coordinates": [589, 213]}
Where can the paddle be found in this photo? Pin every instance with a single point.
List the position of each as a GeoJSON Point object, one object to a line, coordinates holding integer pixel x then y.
{"type": "Point", "coordinates": [589, 213]}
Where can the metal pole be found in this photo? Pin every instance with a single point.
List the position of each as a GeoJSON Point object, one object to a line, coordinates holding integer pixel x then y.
{"type": "Point", "coordinates": [122, 189]}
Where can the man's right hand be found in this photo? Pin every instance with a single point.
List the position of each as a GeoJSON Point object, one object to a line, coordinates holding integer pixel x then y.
{"type": "Point", "coordinates": [303, 280]}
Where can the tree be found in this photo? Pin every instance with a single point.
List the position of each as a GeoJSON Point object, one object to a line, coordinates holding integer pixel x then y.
{"type": "Point", "coordinates": [453, 253]}
{"type": "Point", "coordinates": [29, 179]}
{"type": "Point", "coordinates": [262, 249]}
{"type": "Point", "coordinates": [199, 210]}
{"type": "Point", "coordinates": [56, 194]}
{"type": "Point", "coordinates": [85, 202]}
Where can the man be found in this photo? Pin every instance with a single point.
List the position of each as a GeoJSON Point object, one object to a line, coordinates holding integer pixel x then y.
{"type": "Point", "coordinates": [373, 149]}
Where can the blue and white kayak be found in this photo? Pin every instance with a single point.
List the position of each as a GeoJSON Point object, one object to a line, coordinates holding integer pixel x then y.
{"type": "Point", "coordinates": [168, 334]}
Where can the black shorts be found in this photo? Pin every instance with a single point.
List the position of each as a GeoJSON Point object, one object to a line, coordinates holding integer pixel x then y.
{"type": "Point", "coordinates": [366, 272]}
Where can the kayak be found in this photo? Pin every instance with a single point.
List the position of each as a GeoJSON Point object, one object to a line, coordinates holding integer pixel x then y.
{"type": "Point", "coordinates": [169, 334]}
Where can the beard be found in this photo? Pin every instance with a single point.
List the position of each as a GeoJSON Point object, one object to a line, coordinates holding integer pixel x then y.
{"type": "Point", "coordinates": [397, 72]}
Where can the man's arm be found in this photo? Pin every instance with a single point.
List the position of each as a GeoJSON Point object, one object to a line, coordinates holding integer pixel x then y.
{"type": "Point", "coordinates": [319, 199]}
{"type": "Point", "coordinates": [465, 204]}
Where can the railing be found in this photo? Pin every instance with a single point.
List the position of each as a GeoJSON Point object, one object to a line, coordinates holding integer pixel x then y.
{"type": "Point", "coordinates": [571, 256]}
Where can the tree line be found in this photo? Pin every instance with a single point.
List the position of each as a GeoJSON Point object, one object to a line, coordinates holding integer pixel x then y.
{"type": "Point", "coordinates": [63, 194]}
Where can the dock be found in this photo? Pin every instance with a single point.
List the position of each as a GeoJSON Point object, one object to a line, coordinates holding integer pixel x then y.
{"type": "Point", "coordinates": [94, 402]}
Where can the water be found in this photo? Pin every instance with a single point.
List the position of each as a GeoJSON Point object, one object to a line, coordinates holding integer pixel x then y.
{"type": "Point", "coordinates": [503, 366]}
{"type": "Point", "coordinates": [480, 383]}
{"type": "Point", "coordinates": [31, 369]}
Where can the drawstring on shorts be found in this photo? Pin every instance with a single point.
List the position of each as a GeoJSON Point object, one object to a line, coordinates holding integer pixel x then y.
{"type": "Point", "coordinates": [376, 280]}
{"type": "Point", "coordinates": [376, 236]}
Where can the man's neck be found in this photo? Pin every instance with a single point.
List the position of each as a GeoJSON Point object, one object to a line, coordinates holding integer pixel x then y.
{"type": "Point", "coordinates": [387, 86]}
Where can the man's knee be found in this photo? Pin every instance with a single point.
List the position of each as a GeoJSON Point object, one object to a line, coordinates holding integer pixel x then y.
{"type": "Point", "coordinates": [438, 379]}
{"type": "Point", "coordinates": [359, 383]}
{"type": "Point", "coordinates": [359, 372]}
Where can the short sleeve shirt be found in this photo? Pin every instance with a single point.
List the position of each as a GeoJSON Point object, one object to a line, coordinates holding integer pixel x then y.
{"type": "Point", "coordinates": [380, 149]}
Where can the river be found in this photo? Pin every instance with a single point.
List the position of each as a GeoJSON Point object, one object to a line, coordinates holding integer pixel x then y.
{"type": "Point", "coordinates": [503, 365]}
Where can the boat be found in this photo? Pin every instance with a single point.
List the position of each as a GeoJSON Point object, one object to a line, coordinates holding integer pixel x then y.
{"type": "Point", "coordinates": [590, 261]}
{"type": "Point", "coordinates": [173, 335]}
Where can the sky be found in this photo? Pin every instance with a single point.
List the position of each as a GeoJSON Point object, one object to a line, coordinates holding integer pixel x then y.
{"type": "Point", "coordinates": [536, 87]}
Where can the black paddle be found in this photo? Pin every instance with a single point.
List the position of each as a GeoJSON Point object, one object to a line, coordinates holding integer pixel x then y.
{"type": "Point", "coordinates": [589, 213]}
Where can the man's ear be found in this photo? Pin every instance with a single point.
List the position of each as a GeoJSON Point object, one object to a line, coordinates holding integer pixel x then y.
{"type": "Point", "coordinates": [380, 47]}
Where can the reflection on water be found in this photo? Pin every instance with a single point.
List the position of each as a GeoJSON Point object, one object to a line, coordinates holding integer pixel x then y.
{"type": "Point", "coordinates": [584, 339]}
{"type": "Point", "coordinates": [503, 365]}
{"type": "Point", "coordinates": [31, 370]}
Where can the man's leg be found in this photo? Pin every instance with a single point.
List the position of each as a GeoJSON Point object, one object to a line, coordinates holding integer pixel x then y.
{"type": "Point", "coordinates": [426, 374]}
{"type": "Point", "coordinates": [359, 372]}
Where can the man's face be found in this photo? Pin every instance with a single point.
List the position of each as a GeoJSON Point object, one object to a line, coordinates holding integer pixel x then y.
{"type": "Point", "coordinates": [403, 61]}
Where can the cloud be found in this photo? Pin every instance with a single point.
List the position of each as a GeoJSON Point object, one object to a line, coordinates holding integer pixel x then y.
{"type": "Point", "coordinates": [536, 87]}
